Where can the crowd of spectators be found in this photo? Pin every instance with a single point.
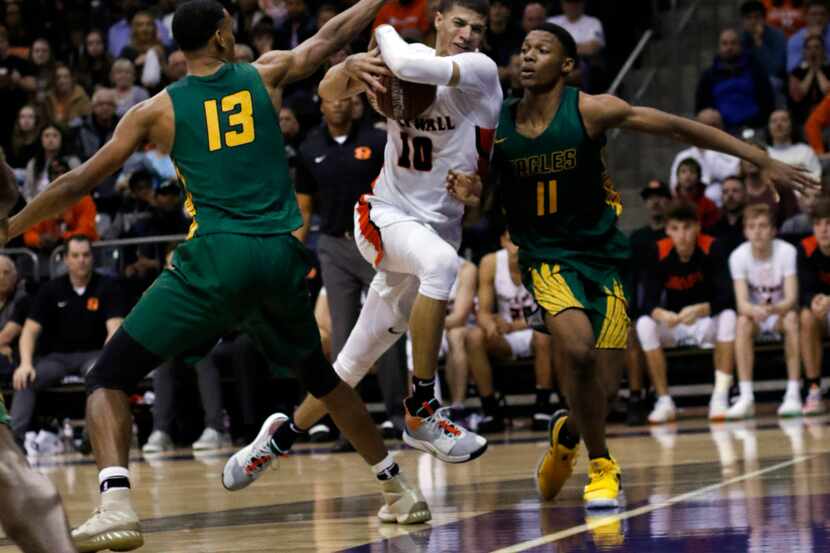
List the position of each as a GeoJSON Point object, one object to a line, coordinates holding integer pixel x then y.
{"type": "Point", "coordinates": [70, 70]}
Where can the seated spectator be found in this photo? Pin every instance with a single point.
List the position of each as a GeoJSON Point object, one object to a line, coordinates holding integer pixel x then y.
{"type": "Point", "coordinates": [409, 17]}
{"type": "Point", "coordinates": [78, 220]}
{"type": "Point", "coordinates": [760, 190]}
{"type": "Point", "coordinates": [53, 144]}
{"type": "Point", "coordinates": [502, 40]}
{"type": "Point", "coordinates": [138, 197]}
{"type": "Point", "coordinates": [503, 333]}
{"type": "Point", "coordinates": [298, 26]}
{"type": "Point", "coordinates": [767, 44]}
{"type": "Point", "coordinates": [97, 128]}
{"type": "Point", "coordinates": [145, 50]}
{"type": "Point", "coordinates": [786, 15]}
{"type": "Point", "coordinates": [691, 189]}
{"type": "Point", "coordinates": [589, 35]}
{"type": "Point", "coordinates": [688, 270]}
{"type": "Point", "coordinates": [533, 16]}
{"type": "Point", "coordinates": [43, 68]}
{"type": "Point", "coordinates": [810, 81]}
{"type": "Point", "coordinates": [729, 230]}
{"type": "Point", "coordinates": [801, 224]}
{"type": "Point", "coordinates": [176, 67]}
{"type": "Point", "coordinates": [71, 318]}
{"type": "Point", "coordinates": [814, 294]}
{"type": "Point", "coordinates": [656, 196]}
{"type": "Point", "coordinates": [325, 13]}
{"type": "Point", "coordinates": [783, 148]}
{"type": "Point", "coordinates": [16, 82]}
{"type": "Point", "coordinates": [95, 63]}
{"type": "Point", "coordinates": [15, 308]}
{"type": "Point", "coordinates": [816, 17]}
{"type": "Point", "coordinates": [714, 166]}
{"type": "Point", "coordinates": [264, 36]}
{"type": "Point", "coordinates": [120, 33]}
{"type": "Point", "coordinates": [243, 54]}
{"type": "Point", "coordinates": [461, 312]}
{"type": "Point", "coordinates": [66, 102]}
{"type": "Point", "coordinates": [736, 85]}
{"type": "Point", "coordinates": [15, 23]}
{"type": "Point", "coordinates": [23, 145]}
{"type": "Point", "coordinates": [763, 272]}
{"type": "Point", "coordinates": [165, 218]}
{"type": "Point", "coordinates": [127, 94]}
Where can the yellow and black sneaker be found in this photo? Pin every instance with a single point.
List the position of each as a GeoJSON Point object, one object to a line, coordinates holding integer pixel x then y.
{"type": "Point", "coordinates": [604, 483]}
{"type": "Point", "coordinates": [557, 464]}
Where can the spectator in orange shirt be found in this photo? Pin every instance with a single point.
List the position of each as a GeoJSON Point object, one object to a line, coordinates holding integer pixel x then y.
{"type": "Point", "coordinates": [785, 15]}
{"type": "Point", "coordinates": [79, 220]}
{"type": "Point", "coordinates": [409, 17]}
{"type": "Point", "coordinates": [814, 128]}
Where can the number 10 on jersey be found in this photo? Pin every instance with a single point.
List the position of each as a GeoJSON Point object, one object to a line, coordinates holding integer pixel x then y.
{"type": "Point", "coordinates": [547, 201]}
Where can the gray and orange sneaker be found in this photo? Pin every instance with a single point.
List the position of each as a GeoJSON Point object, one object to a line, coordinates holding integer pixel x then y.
{"type": "Point", "coordinates": [250, 462]}
{"type": "Point", "coordinates": [430, 430]}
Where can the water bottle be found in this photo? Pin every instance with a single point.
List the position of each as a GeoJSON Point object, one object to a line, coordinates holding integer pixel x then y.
{"type": "Point", "coordinates": [68, 436]}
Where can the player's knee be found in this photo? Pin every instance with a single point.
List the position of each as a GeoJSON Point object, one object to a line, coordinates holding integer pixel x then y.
{"type": "Point", "coordinates": [475, 338]}
{"type": "Point", "coordinates": [317, 375]}
{"type": "Point", "coordinates": [350, 373]}
{"type": "Point", "coordinates": [647, 333]}
{"type": "Point", "coordinates": [121, 365]}
{"type": "Point", "coordinates": [438, 278]}
{"type": "Point", "coordinates": [581, 357]}
{"type": "Point", "coordinates": [727, 322]}
{"type": "Point", "coordinates": [744, 327]}
{"type": "Point", "coordinates": [808, 319]}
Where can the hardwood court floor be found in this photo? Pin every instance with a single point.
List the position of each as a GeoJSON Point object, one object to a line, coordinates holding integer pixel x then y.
{"type": "Point", "coordinates": [762, 485]}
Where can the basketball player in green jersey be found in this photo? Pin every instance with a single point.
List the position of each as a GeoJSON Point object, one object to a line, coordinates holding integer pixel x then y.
{"type": "Point", "coordinates": [562, 212]}
{"type": "Point", "coordinates": [241, 268]}
{"type": "Point", "coordinates": [32, 515]}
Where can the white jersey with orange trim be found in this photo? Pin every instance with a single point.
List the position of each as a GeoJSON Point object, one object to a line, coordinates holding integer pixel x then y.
{"type": "Point", "coordinates": [454, 134]}
{"type": "Point", "coordinates": [511, 298]}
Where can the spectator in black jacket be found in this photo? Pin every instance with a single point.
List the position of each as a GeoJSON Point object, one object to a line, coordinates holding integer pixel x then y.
{"type": "Point", "coordinates": [95, 130]}
{"type": "Point", "coordinates": [736, 85]}
{"type": "Point", "coordinates": [688, 270]}
{"type": "Point", "coordinates": [814, 293]}
{"type": "Point", "coordinates": [729, 230]}
{"type": "Point", "coordinates": [71, 319]}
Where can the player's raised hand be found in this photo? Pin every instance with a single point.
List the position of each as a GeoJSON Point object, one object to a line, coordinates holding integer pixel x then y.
{"type": "Point", "coordinates": [368, 68]}
{"type": "Point", "coordinates": [464, 188]}
{"type": "Point", "coordinates": [796, 178]}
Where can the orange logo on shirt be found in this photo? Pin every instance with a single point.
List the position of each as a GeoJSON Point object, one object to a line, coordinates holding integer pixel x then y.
{"type": "Point", "coordinates": [362, 153]}
{"type": "Point", "coordinates": [92, 304]}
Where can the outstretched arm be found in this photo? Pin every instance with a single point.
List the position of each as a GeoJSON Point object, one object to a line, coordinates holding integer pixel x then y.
{"type": "Point", "coordinates": [358, 73]}
{"type": "Point", "coordinates": [69, 188]}
{"type": "Point", "coordinates": [607, 112]}
{"type": "Point", "coordinates": [280, 68]}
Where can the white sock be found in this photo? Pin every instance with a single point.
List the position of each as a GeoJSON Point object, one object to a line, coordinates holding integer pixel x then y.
{"type": "Point", "coordinates": [723, 382]}
{"type": "Point", "coordinates": [384, 468]}
{"type": "Point", "coordinates": [745, 387]}
{"type": "Point", "coordinates": [793, 389]}
{"type": "Point", "coordinates": [113, 472]}
{"type": "Point", "coordinates": [665, 399]}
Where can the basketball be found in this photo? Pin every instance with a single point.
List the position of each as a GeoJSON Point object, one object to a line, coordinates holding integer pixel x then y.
{"type": "Point", "coordinates": [403, 100]}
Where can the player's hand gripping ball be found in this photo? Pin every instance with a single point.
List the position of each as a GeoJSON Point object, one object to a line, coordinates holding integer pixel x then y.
{"type": "Point", "coordinates": [403, 100]}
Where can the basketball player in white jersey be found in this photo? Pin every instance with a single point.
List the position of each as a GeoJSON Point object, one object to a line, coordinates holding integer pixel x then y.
{"type": "Point", "coordinates": [503, 333]}
{"type": "Point", "coordinates": [409, 228]}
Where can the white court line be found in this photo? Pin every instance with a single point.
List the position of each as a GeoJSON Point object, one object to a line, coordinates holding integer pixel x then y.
{"type": "Point", "coordinates": [610, 519]}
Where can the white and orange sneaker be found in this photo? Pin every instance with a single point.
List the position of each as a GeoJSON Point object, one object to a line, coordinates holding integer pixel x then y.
{"type": "Point", "coordinates": [430, 430]}
{"type": "Point", "coordinates": [250, 462]}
